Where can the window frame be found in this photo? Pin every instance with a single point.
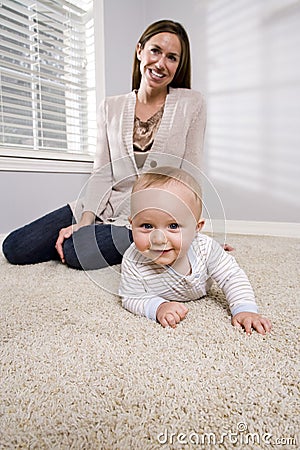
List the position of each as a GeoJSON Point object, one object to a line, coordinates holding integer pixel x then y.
{"type": "Point", "coordinates": [25, 160]}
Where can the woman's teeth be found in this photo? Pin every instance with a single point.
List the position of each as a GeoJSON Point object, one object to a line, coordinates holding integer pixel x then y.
{"type": "Point", "coordinates": [160, 75]}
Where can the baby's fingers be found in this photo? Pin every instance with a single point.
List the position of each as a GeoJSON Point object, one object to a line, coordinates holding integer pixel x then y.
{"type": "Point", "coordinates": [256, 322]}
{"type": "Point", "coordinates": [235, 322]}
{"type": "Point", "coordinates": [262, 325]}
{"type": "Point", "coordinates": [247, 324]}
{"type": "Point", "coordinates": [173, 319]}
{"type": "Point", "coordinates": [164, 322]}
{"type": "Point", "coordinates": [182, 311]}
{"type": "Point", "coordinates": [168, 320]}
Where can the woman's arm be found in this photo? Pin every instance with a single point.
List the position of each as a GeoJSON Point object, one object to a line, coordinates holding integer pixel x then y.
{"type": "Point", "coordinates": [98, 188]}
{"type": "Point", "coordinates": [99, 185]}
{"type": "Point", "coordinates": [196, 133]}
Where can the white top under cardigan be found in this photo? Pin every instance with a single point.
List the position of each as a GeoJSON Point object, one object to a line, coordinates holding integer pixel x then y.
{"type": "Point", "coordinates": [145, 284]}
{"type": "Point", "coordinates": [178, 142]}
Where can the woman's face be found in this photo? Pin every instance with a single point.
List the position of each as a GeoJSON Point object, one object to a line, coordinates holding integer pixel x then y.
{"type": "Point", "coordinates": [159, 60]}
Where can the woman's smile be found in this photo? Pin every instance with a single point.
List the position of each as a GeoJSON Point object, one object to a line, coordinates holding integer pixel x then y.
{"type": "Point", "coordinates": [156, 74]}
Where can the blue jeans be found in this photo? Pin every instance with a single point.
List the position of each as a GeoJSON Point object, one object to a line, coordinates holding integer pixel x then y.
{"type": "Point", "coordinates": [91, 247]}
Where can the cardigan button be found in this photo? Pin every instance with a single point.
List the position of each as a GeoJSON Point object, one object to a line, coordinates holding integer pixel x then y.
{"type": "Point", "coordinates": [153, 164]}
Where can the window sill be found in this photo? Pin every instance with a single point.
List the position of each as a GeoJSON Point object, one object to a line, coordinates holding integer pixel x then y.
{"type": "Point", "coordinates": [12, 161]}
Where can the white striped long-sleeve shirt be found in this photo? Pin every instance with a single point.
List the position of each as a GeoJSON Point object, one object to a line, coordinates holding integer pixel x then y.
{"type": "Point", "coordinates": [145, 284]}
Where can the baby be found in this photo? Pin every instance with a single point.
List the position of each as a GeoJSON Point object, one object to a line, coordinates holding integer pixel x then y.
{"type": "Point", "coordinates": [171, 262]}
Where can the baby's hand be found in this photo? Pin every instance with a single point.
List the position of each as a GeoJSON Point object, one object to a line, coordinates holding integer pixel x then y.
{"type": "Point", "coordinates": [249, 320]}
{"type": "Point", "coordinates": [171, 313]}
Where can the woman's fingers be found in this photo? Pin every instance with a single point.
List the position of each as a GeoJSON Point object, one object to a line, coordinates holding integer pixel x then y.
{"type": "Point", "coordinates": [64, 233]}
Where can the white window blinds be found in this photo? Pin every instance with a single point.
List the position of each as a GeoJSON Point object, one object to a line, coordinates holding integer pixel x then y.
{"type": "Point", "coordinates": [47, 77]}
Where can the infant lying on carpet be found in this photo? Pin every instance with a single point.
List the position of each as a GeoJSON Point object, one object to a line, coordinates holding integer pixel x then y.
{"type": "Point", "coordinates": [170, 261]}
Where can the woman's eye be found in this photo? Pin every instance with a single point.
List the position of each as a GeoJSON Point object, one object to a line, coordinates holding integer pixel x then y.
{"type": "Point", "coordinates": [173, 58]}
{"type": "Point", "coordinates": [154, 50]}
{"type": "Point", "coordinates": [174, 226]}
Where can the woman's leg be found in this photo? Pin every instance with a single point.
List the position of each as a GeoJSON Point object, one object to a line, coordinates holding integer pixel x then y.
{"type": "Point", "coordinates": [35, 242]}
{"type": "Point", "coordinates": [96, 246]}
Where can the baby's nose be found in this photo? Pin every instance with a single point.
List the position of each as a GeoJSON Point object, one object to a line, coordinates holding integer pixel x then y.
{"type": "Point", "coordinates": [157, 237]}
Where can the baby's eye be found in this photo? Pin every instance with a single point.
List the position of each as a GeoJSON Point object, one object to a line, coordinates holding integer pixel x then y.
{"type": "Point", "coordinates": [174, 226]}
{"type": "Point", "coordinates": [146, 226]}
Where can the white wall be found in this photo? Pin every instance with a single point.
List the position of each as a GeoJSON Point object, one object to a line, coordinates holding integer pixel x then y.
{"type": "Point", "coordinates": [26, 196]}
{"type": "Point", "coordinates": [253, 92]}
{"type": "Point", "coordinates": [245, 61]}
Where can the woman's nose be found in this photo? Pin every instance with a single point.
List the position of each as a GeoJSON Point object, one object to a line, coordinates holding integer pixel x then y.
{"type": "Point", "coordinates": [157, 237]}
{"type": "Point", "coordinates": [160, 63]}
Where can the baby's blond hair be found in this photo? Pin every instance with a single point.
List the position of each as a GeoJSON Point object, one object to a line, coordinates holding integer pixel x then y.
{"type": "Point", "coordinates": [160, 176]}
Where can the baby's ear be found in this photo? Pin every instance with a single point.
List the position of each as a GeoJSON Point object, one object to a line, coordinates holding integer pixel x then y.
{"type": "Point", "coordinates": [200, 224]}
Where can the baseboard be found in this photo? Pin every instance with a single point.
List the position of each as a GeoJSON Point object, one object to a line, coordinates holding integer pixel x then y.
{"type": "Point", "coordinates": [284, 229]}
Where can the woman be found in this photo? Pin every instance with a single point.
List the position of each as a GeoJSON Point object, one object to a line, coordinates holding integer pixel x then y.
{"type": "Point", "coordinates": [161, 121]}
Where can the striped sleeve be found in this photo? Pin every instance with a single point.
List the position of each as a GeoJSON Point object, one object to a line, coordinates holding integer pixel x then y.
{"type": "Point", "coordinates": [223, 268]}
{"type": "Point", "coordinates": [133, 291]}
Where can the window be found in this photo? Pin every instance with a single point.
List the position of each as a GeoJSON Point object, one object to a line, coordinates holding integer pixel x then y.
{"type": "Point", "coordinates": [47, 79]}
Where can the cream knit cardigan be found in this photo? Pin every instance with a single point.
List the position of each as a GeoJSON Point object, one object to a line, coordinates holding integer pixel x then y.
{"type": "Point", "coordinates": [178, 142]}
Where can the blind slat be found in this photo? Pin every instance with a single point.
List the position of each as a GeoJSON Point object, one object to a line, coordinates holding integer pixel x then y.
{"type": "Point", "coordinates": [72, 120]}
{"type": "Point", "coordinates": [56, 83]}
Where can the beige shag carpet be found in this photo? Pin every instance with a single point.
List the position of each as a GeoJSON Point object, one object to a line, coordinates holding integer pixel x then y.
{"type": "Point", "coordinates": [80, 372]}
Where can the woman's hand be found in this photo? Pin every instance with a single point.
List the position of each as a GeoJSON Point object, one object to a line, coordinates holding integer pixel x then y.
{"type": "Point", "coordinates": [87, 218]}
{"type": "Point", "coordinates": [64, 233]}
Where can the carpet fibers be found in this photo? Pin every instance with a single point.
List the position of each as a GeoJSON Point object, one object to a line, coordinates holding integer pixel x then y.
{"type": "Point", "coordinates": [80, 372]}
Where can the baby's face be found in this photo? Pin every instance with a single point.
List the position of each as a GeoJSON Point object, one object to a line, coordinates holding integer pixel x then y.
{"type": "Point", "coordinates": [164, 222]}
